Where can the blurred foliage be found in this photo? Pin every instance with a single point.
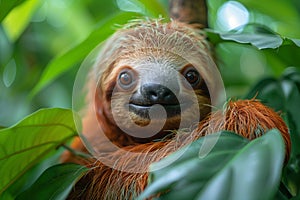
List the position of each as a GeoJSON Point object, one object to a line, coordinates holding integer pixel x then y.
{"type": "Point", "coordinates": [43, 43]}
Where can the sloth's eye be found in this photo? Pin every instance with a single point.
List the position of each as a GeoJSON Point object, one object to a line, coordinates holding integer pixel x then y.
{"type": "Point", "coordinates": [192, 76]}
{"type": "Point", "coordinates": [126, 79]}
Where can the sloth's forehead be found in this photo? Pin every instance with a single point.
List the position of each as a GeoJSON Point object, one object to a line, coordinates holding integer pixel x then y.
{"type": "Point", "coordinates": [153, 60]}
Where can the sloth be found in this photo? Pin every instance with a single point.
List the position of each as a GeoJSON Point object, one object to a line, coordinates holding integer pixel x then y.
{"type": "Point", "coordinates": [150, 79]}
{"type": "Point", "coordinates": [151, 92]}
{"type": "Point", "coordinates": [144, 65]}
{"type": "Point", "coordinates": [147, 73]}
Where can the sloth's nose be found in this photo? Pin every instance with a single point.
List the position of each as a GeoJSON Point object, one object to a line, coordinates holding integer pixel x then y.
{"type": "Point", "coordinates": [158, 94]}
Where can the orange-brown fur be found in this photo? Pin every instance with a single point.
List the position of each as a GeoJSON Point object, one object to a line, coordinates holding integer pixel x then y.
{"type": "Point", "coordinates": [243, 117]}
{"type": "Point", "coordinates": [137, 42]}
{"type": "Point", "coordinates": [124, 48]}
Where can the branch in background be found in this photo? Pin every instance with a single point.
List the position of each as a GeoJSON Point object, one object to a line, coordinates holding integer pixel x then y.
{"type": "Point", "coordinates": [189, 11]}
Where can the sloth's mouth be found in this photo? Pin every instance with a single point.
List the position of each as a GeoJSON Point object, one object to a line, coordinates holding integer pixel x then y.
{"type": "Point", "coordinates": [143, 110]}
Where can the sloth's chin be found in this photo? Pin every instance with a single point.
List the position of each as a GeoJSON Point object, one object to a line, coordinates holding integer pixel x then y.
{"type": "Point", "coordinates": [143, 111]}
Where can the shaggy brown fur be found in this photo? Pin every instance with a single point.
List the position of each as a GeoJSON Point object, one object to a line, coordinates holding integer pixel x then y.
{"type": "Point", "coordinates": [248, 118]}
{"type": "Point", "coordinates": [124, 172]}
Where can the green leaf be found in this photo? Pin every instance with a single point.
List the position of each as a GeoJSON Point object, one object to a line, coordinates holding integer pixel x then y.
{"type": "Point", "coordinates": [9, 73]}
{"type": "Point", "coordinates": [18, 19]}
{"type": "Point", "coordinates": [64, 62]}
{"type": "Point", "coordinates": [189, 163]}
{"type": "Point", "coordinates": [283, 95]}
{"type": "Point", "coordinates": [255, 34]}
{"type": "Point", "coordinates": [144, 7]}
{"type": "Point", "coordinates": [291, 176]}
{"type": "Point", "coordinates": [292, 74]}
{"type": "Point", "coordinates": [7, 5]}
{"type": "Point", "coordinates": [287, 55]}
{"type": "Point", "coordinates": [214, 36]}
{"type": "Point", "coordinates": [131, 6]}
{"type": "Point", "coordinates": [292, 93]}
{"type": "Point", "coordinates": [29, 141]}
{"type": "Point", "coordinates": [296, 41]}
{"type": "Point", "coordinates": [261, 41]}
{"type": "Point", "coordinates": [234, 169]}
{"type": "Point", "coordinates": [55, 183]}
{"type": "Point", "coordinates": [31, 175]}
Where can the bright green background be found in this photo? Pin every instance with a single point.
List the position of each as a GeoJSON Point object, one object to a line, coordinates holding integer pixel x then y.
{"type": "Point", "coordinates": [43, 43]}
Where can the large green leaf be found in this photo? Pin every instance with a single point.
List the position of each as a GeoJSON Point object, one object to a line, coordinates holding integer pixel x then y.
{"type": "Point", "coordinates": [291, 85]}
{"type": "Point", "coordinates": [55, 183]}
{"type": "Point", "coordinates": [7, 5]}
{"type": "Point", "coordinates": [26, 143]}
{"type": "Point", "coordinates": [261, 41]}
{"type": "Point", "coordinates": [254, 34]}
{"type": "Point", "coordinates": [283, 94]}
{"type": "Point", "coordinates": [31, 175]}
{"type": "Point", "coordinates": [65, 61]}
{"type": "Point", "coordinates": [234, 169]}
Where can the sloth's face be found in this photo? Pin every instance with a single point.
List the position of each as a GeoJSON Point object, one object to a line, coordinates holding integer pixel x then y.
{"type": "Point", "coordinates": [164, 91]}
